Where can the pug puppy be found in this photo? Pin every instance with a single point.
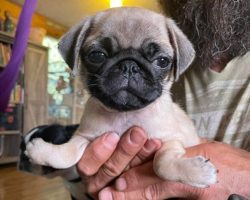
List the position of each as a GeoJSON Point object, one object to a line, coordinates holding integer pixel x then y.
{"type": "Point", "coordinates": [128, 59]}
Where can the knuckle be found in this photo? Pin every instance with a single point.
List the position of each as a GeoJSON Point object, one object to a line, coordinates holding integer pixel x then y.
{"type": "Point", "coordinates": [152, 192]}
{"type": "Point", "coordinates": [140, 158]}
{"type": "Point", "coordinates": [126, 151]}
{"type": "Point", "coordinates": [193, 192]}
{"type": "Point", "coordinates": [110, 169]}
{"type": "Point", "coordinates": [211, 145]}
{"type": "Point", "coordinates": [98, 155]}
{"type": "Point", "coordinates": [143, 156]}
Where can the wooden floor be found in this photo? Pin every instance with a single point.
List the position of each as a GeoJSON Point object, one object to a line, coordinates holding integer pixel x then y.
{"type": "Point", "coordinates": [15, 185]}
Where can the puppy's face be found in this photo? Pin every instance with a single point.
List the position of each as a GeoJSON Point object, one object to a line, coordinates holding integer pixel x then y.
{"type": "Point", "coordinates": [127, 56]}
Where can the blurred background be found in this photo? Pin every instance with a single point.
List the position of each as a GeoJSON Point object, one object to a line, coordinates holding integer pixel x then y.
{"type": "Point", "coordinates": [45, 92]}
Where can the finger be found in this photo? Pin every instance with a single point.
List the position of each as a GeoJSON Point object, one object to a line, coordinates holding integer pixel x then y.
{"type": "Point", "coordinates": [201, 149]}
{"type": "Point", "coordinates": [143, 179]}
{"type": "Point", "coordinates": [128, 147]}
{"type": "Point", "coordinates": [160, 190]}
{"type": "Point", "coordinates": [205, 140]}
{"type": "Point", "coordinates": [146, 153]}
{"type": "Point", "coordinates": [111, 194]}
{"type": "Point", "coordinates": [97, 153]}
{"type": "Point", "coordinates": [132, 178]}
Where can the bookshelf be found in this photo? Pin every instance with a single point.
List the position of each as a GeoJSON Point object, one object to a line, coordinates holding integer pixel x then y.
{"type": "Point", "coordinates": [28, 102]}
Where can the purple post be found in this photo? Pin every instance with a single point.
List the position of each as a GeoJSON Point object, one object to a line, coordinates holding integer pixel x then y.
{"type": "Point", "coordinates": [9, 75]}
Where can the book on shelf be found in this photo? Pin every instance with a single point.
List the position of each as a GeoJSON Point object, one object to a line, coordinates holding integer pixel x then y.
{"type": "Point", "coordinates": [17, 94]}
{"type": "Point", "coordinates": [10, 119]}
{"type": "Point", "coordinates": [1, 55]}
{"type": "Point", "coordinates": [5, 53]}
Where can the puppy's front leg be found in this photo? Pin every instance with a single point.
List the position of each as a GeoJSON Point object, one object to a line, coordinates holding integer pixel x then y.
{"type": "Point", "coordinates": [170, 164]}
{"type": "Point", "coordinates": [57, 156]}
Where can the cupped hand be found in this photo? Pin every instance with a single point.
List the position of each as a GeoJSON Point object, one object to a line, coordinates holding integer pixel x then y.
{"type": "Point", "coordinates": [109, 155]}
{"type": "Point", "coordinates": [141, 182]}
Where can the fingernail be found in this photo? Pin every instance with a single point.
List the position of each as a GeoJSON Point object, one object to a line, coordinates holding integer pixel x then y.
{"type": "Point", "coordinates": [105, 195]}
{"type": "Point", "coordinates": [111, 140]}
{"type": "Point", "coordinates": [136, 137]}
{"type": "Point", "coordinates": [152, 145]}
{"type": "Point", "coordinates": [121, 184]}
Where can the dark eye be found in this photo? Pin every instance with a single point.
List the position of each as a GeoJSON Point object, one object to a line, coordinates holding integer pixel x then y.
{"type": "Point", "coordinates": [97, 57]}
{"type": "Point", "coordinates": [162, 62]}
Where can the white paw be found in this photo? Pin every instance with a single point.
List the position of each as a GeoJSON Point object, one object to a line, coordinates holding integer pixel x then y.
{"type": "Point", "coordinates": [36, 151]}
{"type": "Point", "coordinates": [200, 172]}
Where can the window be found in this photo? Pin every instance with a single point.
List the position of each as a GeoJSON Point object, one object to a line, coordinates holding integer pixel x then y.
{"type": "Point", "coordinates": [60, 85]}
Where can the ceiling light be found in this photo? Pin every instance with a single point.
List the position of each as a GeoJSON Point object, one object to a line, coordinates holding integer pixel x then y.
{"type": "Point", "coordinates": [115, 3]}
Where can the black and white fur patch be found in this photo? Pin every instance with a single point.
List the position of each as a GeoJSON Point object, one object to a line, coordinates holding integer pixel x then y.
{"type": "Point", "coordinates": [55, 134]}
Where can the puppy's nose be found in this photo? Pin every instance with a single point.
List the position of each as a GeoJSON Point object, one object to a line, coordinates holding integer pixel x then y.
{"type": "Point", "coordinates": [129, 67]}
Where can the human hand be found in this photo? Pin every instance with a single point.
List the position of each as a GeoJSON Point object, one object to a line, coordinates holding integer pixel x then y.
{"type": "Point", "coordinates": [107, 157]}
{"type": "Point", "coordinates": [141, 182]}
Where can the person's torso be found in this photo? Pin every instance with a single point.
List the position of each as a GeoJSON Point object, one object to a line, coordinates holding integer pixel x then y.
{"type": "Point", "coordinates": [219, 103]}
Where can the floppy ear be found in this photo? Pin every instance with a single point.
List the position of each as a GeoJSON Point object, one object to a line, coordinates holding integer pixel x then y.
{"type": "Point", "coordinates": [70, 44]}
{"type": "Point", "coordinates": [184, 51]}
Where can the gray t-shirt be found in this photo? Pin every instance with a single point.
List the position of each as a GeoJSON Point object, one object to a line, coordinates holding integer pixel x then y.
{"type": "Point", "coordinates": [218, 103]}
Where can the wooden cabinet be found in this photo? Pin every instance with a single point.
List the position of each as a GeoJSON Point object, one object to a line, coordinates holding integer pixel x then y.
{"type": "Point", "coordinates": [31, 108]}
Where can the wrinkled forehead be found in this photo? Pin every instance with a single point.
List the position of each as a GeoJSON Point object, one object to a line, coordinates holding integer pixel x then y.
{"type": "Point", "coordinates": [129, 28]}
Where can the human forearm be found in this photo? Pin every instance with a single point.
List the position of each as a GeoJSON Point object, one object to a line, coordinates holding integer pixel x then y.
{"type": "Point", "coordinates": [233, 165]}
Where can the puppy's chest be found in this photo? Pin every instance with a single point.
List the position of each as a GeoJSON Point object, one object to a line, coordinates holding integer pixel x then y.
{"type": "Point", "coordinates": [156, 125]}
